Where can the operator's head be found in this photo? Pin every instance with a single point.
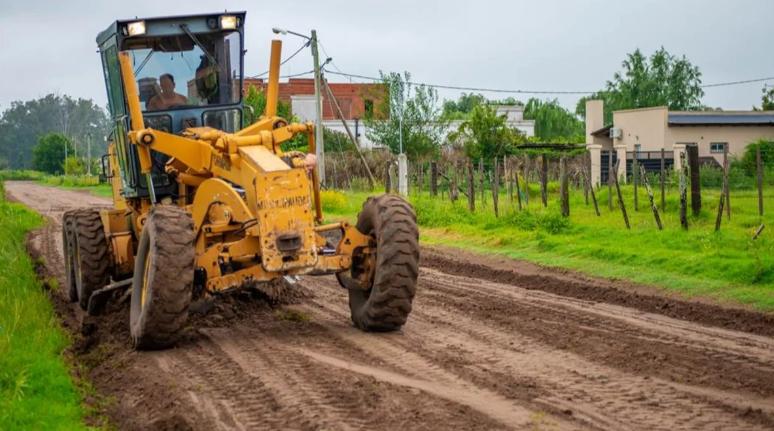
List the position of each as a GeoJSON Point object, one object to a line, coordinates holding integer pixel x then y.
{"type": "Point", "coordinates": [167, 82]}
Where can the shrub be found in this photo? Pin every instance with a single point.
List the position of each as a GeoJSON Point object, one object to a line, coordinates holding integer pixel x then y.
{"type": "Point", "coordinates": [333, 201]}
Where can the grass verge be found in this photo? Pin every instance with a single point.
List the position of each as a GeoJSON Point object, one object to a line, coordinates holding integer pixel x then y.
{"type": "Point", "coordinates": [726, 265]}
{"type": "Point", "coordinates": [36, 388]}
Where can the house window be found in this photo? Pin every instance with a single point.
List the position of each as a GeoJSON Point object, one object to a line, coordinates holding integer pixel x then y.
{"type": "Point", "coordinates": [718, 147]}
{"type": "Point", "coordinates": [369, 108]}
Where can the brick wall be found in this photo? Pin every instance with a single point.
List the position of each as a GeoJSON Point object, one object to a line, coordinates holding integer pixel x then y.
{"type": "Point", "coordinates": [352, 98]}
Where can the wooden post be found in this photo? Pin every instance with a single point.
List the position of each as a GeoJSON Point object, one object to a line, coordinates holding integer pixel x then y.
{"type": "Point", "coordinates": [508, 177]}
{"type": "Point", "coordinates": [544, 180]}
{"type": "Point", "coordinates": [495, 186]}
{"type": "Point", "coordinates": [759, 171]}
{"type": "Point", "coordinates": [518, 189]}
{"type": "Point", "coordinates": [663, 181]}
{"type": "Point", "coordinates": [587, 179]}
{"type": "Point", "coordinates": [725, 180]}
{"type": "Point", "coordinates": [526, 179]}
{"type": "Point", "coordinates": [586, 167]}
{"type": "Point", "coordinates": [610, 176]}
{"type": "Point", "coordinates": [434, 178]}
{"type": "Point", "coordinates": [481, 180]}
{"type": "Point", "coordinates": [693, 160]}
{"type": "Point", "coordinates": [387, 179]}
{"type": "Point", "coordinates": [564, 192]}
{"type": "Point", "coordinates": [719, 218]}
{"type": "Point", "coordinates": [620, 196]}
{"type": "Point", "coordinates": [683, 192]}
{"type": "Point", "coordinates": [635, 180]}
{"type": "Point", "coordinates": [471, 188]}
{"type": "Point", "coordinates": [651, 198]}
{"type": "Point", "coordinates": [758, 231]}
{"type": "Point", "coordinates": [452, 181]}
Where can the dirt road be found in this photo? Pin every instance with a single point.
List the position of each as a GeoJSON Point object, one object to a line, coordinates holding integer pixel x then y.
{"type": "Point", "coordinates": [499, 351]}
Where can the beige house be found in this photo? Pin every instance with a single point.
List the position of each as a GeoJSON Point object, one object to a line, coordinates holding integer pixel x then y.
{"type": "Point", "coordinates": [646, 131]}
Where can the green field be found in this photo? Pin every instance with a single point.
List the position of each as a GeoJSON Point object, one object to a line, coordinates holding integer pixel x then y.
{"type": "Point", "coordinates": [726, 266]}
{"type": "Point", "coordinates": [36, 389]}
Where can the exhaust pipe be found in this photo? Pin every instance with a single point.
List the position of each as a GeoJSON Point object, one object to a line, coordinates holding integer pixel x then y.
{"type": "Point", "coordinates": [272, 91]}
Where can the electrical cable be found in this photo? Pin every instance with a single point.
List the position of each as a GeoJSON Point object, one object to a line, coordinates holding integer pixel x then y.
{"type": "Point", "coordinates": [306, 44]}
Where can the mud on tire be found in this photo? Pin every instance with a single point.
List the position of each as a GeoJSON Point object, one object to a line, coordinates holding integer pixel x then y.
{"type": "Point", "coordinates": [69, 256]}
{"type": "Point", "coordinates": [163, 278]}
{"type": "Point", "coordinates": [89, 253]}
{"type": "Point", "coordinates": [387, 304]}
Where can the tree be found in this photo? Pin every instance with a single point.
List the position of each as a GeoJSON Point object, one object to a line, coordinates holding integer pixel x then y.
{"type": "Point", "coordinates": [255, 106]}
{"type": "Point", "coordinates": [459, 109]}
{"type": "Point", "coordinates": [49, 154]}
{"type": "Point", "coordinates": [661, 80]}
{"type": "Point", "coordinates": [24, 123]}
{"type": "Point", "coordinates": [486, 135]}
{"type": "Point", "coordinates": [553, 122]}
{"type": "Point", "coordinates": [402, 119]}
{"type": "Point", "coordinates": [768, 98]}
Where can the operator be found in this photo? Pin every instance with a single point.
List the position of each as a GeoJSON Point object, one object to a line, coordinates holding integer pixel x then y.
{"type": "Point", "coordinates": [166, 98]}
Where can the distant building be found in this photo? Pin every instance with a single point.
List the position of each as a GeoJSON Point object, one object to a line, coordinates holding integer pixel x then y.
{"type": "Point", "coordinates": [514, 118]}
{"type": "Point", "coordinates": [355, 101]}
{"type": "Point", "coordinates": [645, 132]}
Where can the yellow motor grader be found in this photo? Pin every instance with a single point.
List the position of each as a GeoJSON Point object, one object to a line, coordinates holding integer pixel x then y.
{"type": "Point", "coordinates": [203, 205]}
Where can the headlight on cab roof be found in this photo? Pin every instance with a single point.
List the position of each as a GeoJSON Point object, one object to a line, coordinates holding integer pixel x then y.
{"type": "Point", "coordinates": [228, 22]}
{"type": "Point", "coordinates": [136, 28]}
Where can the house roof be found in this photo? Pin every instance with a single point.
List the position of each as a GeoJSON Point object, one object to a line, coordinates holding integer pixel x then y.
{"type": "Point", "coordinates": [605, 131]}
{"type": "Point", "coordinates": [720, 118]}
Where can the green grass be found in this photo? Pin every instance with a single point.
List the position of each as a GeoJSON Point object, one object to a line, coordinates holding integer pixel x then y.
{"type": "Point", "coordinates": [73, 182]}
{"type": "Point", "coordinates": [36, 389]}
{"type": "Point", "coordinates": [727, 265]}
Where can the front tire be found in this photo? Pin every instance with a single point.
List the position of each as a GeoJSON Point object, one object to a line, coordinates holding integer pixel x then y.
{"type": "Point", "coordinates": [163, 278]}
{"type": "Point", "coordinates": [385, 306]}
{"type": "Point", "coordinates": [90, 265]}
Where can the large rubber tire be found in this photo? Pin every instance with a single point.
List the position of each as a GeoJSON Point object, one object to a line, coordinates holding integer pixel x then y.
{"type": "Point", "coordinates": [387, 304]}
{"type": "Point", "coordinates": [163, 278]}
{"type": "Point", "coordinates": [91, 254]}
{"type": "Point", "coordinates": [68, 254]}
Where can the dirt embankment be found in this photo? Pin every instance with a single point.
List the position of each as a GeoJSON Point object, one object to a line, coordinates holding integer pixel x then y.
{"type": "Point", "coordinates": [491, 344]}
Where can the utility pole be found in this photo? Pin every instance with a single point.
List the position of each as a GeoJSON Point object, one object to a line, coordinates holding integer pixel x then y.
{"type": "Point", "coordinates": [88, 154]}
{"type": "Point", "coordinates": [318, 127]}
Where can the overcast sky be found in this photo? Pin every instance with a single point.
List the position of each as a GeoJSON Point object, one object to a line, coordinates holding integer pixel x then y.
{"type": "Point", "coordinates": [48, 46]}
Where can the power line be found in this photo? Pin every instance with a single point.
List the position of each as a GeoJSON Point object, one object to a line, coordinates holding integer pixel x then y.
{"type": "Point", "coordinates": [454, 87]}
{"type": "Point", "coordinates": [300, 48]}
{"type": "Point", "coordinates": [747, 81]}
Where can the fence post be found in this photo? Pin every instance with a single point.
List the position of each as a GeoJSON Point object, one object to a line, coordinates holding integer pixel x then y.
{"type": "Point", "coordinates": [725, 179]}
{"type": "Point", "coordinates": [526, 179]}
{"type": "Point", "coordinates": [635, 180]}
{"type": "Point", "coordinates": [610, 176]}
{"type": "Point", "coordinates": [663, 181]}
{"type": "Point", "coordinates": [518, 189]}
{"type": "Point", "coordinates": [693, 160]}
{"type": "Point", "coordinates": [388, 179]}
{"type": "Point", "coordinates": [508, 177]}
{"type": "Point", "coordinates": [481, 180]}
{"type": "Point", "coordinates": [587, 179]}
{"type": "Point", "coordinates": [683, 192]}
{"type": "Point", "coordinates": [651, 198]}
{"type": "Point", "coordinates": [434, 178]}
{"type": "Point", "coordinates": [620, 196]}
{"type": "Point", "coordinates": [759, 171]}
{"type": "Point", "coordinates": [544, 180]}
{"type": "Point", "coordinates": [495, 186]}
{"type": "Point", "coordinates": [471, 188]}
{"type": "Point", "coordinates": [564, 192]}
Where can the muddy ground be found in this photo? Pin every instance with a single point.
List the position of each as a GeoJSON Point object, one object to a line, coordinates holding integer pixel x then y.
{"type": "Point", "coordinates": [491, 344]}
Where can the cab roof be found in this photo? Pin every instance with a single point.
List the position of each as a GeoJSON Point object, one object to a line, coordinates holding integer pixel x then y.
{"type": "Point", "coordinates": [113, 28]}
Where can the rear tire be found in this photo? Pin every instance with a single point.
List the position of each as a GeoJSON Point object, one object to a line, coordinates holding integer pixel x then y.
{"type": "Point", "coordinates": [68, 255]}
{"type": "Point", "coordinates": [163, 278]}
{"type": "Point", "coordinates": [90, 254]}
{"type": "Point", "coordinates": [386, 305]}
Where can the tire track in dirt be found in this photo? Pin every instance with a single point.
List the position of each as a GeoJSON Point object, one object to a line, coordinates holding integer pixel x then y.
{"type": "Point", "coordinates": [475, 354]}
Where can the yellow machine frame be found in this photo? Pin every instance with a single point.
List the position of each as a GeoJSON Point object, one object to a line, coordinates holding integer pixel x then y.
{"type": "Point", "coordinates": [278, 202]}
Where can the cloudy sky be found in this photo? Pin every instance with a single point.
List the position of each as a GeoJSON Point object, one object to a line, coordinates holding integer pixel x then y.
{"type": "Point", "coordinates": [48, 46]}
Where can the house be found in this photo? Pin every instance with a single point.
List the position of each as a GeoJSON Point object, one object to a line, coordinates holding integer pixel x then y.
{"type": "Point", "coordinates": [514, 118]}
{"type": "Point", "coordinates": [644, 132]}
{"type": "Point", "coordinates": [355, 100]}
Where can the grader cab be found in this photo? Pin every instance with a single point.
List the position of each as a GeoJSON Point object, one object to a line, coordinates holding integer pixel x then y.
{"type": "Point", "coordinates": [202, 205]}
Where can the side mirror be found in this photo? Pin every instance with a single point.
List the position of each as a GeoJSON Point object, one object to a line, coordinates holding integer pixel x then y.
{"type": "Point", "coordinates": [104, 164]}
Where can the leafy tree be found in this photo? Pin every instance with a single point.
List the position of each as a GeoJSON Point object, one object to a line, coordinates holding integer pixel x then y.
{"type": "Point", "coordinates": [415, 119]}
{"type": "Point", "coordinates": [74, 166]}
{"type": "Point", "coordinates": [749, 158]}
{"type": "Point", "coordinates": [255, 105]}
{"type": "Point", "coordinates": [337, 142]}
{"type": "Point", "coordinates": [768, 99]}
{"type": "Point", "coordinates": [661, 80]}
{"type": "Point", "coordinates": [49, 154]}
{"type": "Point", "coordinates": [553, 122]}
{"type": "Point", "coordinates": [24, 123]}
{"type": "Point", "coordinates": [486, 135]}
{"type": "Point", "coordinates": [459, 109]}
